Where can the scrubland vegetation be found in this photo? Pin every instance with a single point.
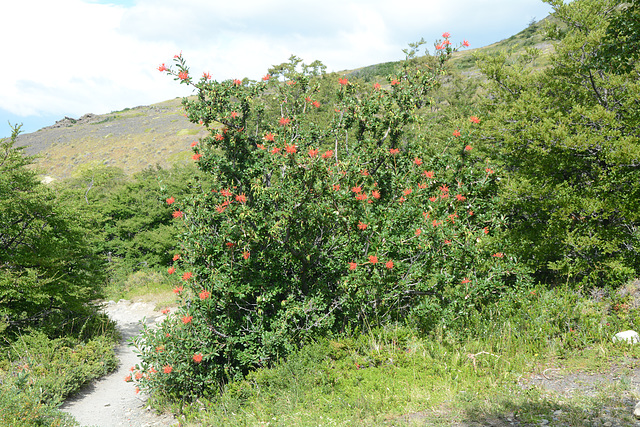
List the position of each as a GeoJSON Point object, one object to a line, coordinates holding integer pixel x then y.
{"type": "Point", "coordinates": [400, 245]}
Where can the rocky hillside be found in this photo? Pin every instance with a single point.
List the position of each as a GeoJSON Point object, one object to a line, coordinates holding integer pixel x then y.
{"type": "Point", "coordinates": [132, 139]}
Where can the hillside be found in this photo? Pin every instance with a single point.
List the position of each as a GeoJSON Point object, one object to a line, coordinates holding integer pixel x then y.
{"type": "Point", "coordinates": [132, 139]}
{"type": "Point", "coordinates": [136, 138]}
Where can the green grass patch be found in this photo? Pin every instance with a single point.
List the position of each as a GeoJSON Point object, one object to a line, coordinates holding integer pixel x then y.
{"type": "Point", "coordinates": [494, 370]}
{"type": "Point", "coordinates": [184, 132]}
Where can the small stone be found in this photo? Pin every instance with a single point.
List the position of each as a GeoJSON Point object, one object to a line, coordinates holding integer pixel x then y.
{"type": "Point", "coordinates": [557, 413]}
{"type": "Point", "coordinates": [608, 424]}
{"type": "Point", "coordinates": [636, 411]}
{"type": "Point", "coordinates": [630, 336]}
{"type": "Point", "coordinates": [107, 404]}
{"type": "Point", "coordinates": [544, 422]}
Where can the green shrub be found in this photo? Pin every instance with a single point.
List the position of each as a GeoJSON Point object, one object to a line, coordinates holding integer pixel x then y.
{"type": "Point", "coordinates": [568, 135]}
{"type": "Point", "coordinates": [293, 241]}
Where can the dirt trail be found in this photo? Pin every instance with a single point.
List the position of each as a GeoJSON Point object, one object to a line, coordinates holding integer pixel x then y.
{"type": "Point", "coordinates": [110, 401]}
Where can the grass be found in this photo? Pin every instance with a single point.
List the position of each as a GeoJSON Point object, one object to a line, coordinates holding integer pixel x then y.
{"type": "Point", "coordinates": [38, 372]}
{"type": "Point", "coordinates": [547, 357]}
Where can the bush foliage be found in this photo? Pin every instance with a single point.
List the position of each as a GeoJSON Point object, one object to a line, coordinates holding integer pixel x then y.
{"type": "Point", "coordinates": [568, 136]}
{"type": "Point", "coordinates": [323, 217]}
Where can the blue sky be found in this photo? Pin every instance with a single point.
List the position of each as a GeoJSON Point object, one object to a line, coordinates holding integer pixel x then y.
{"type": "Point", "coordinates": [71, 57]}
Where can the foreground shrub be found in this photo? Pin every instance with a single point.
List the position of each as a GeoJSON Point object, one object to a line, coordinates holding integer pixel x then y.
{"type": "Point", "coordinates": [322, 219]}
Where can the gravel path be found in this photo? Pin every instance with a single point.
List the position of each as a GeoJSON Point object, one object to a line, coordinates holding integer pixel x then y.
{"type": "Point", "coordinates": [110, 401]}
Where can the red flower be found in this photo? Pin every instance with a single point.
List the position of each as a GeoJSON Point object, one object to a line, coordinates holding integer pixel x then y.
{"type": "Point", "coordinates": [428, 174]}
{"type": "Point", "coordinates": [447, 242]}
{"type": "Point", "coordinates": [444, 189]}
{"type": "Point", "coordinates": [291, 83]}
{"type": "Point", "coordinates": [167, 369]}
{"type": "Point", "coordinates": [196, 157]}
{"type": "Point", "coordinates": [234, 114]}
{"type": "Point", "coordinates": [364, 172]}
{"type": "Point", "coordinates": [407, 191]}
{"type": "Point", "coordinates": [389, 264]}
{"type": "Point", "coordinates": [439, 46]}
{"type": "Point", "coordinates": [435, 223]}
{"type": "Point", "coordinates": [460, 197]}
{"type": "Point", "coordinates": [394, 151]}
{"type": "Point", "coordinates": [241, 198]}
{"type": "Point", "coordinates": [433, 199]}
{"type": "Point", "coordinates": [336, 187]}
{"type": "Point", "coordinates": [237, 82]}
{"type": "Point", "coordinates": [418, 232]}
{"type": "Point", "coordinates": [373, 259]}
{"type": "Point", "coordinates": [417, 161]}
{"type": "Point", "coordinates": [260, 146]}
{"type": "Point", "coordinates": [343, 81]}
{"type": "Point", "coordinates": [456, 133]}
{"type": "Point", "coordinates": [468, 148]}
{"type": "Point", "coordinates": [226, 193]}
{"type": "Point", "coordinates": [357, 189]}
{"type": "Point", "coordinates": [275, 150]}
{"type": "Point", "coordinates": [489, 171]}
{"type": "Point", "coordinates": [165, 311]}
{"type": "Point", "coordinates": [187, 319]}
{"type": "Point", "coordinates": [498, 255]}
{"type": "Point", "coordinates": [187, 275]}
{"type": "Point", "coordinates": [138, 375]}
{"type": "Point", "coordinates": [183, 75]}
{"type": "Point", "coordinates": [375, 194]}
{"type": "Point", "coordinates": [465, 43]}
{"type": "Point", "coordinates": [352, 266]}
{"type": "Point", "coordinates": [204, 295]}
{"type": "Point", "coordinates": [291, 149]}
{"type": "Point", "coordinates": [246, 255]}
{"type": "Point", "coordinates": [446, 35]}
{"type": "Point", "coordinates": [316, 104]}
{"type": "Point", "coordinates": [327, 154]}
{"type": "Point", "coordinates": [362, 225]}
{"type": "Point", "coordinates": [486, 230]}
{"type": "Point", "coordinates": [178, 290]}
{"type": "Point", "coordinates": [197, 357]}
{"type": "Point", "coordinates": [284, 121]}
{"type": "Point", "coordinates": [176, 257]}
{"type": "Point", "coordinates": [206, 76]}
{"type": "Point", "coordinates": [230, 244]}
{"type": "Point", "coordinates": [376, 86]}
{"type": "Point", "coordinates": [465, 281]}
{"type": "Point", "coordinates": [194, 143]}
{"type": "Point", "coordinates": [313, 152]}
{"type": "Point", "coordinates": [218, 137]}
{"type": "Point", "coordinates": [128, 378]}
{"type": "Point", "coordinates": [394, 82]}
{"type": "Point", "coordinates": [170, 200]}
{"type": "Point", "coordinates": [361, 196]}
{"type": "Point", "coordinates": [177, 214]}
{"type": "Point", "coordinates": [266, 77]}
{"type": "Point", "coordinates": [422, 185]}
{"type": "Point", "coordinates": [221, 208]}
{"type": "Point", "coordinates": [474, 119]}
{"type": "Point", "coordinates": [162, 68]}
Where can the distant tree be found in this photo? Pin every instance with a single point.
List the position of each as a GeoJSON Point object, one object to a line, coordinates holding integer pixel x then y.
{"type": "Point", "coordinates": [569, 136]}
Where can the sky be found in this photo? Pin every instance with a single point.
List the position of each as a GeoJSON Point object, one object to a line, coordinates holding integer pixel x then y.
{"type": "Point", "coordinates": [72, 57]}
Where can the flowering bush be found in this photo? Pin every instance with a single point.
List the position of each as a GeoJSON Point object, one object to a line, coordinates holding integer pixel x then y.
{"type": "Point", "coordinates": [321, 220]}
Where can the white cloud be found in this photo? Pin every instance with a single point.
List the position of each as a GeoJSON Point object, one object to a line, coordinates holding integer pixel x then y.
{"type": "Point", "coordinates": [70, 57]}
